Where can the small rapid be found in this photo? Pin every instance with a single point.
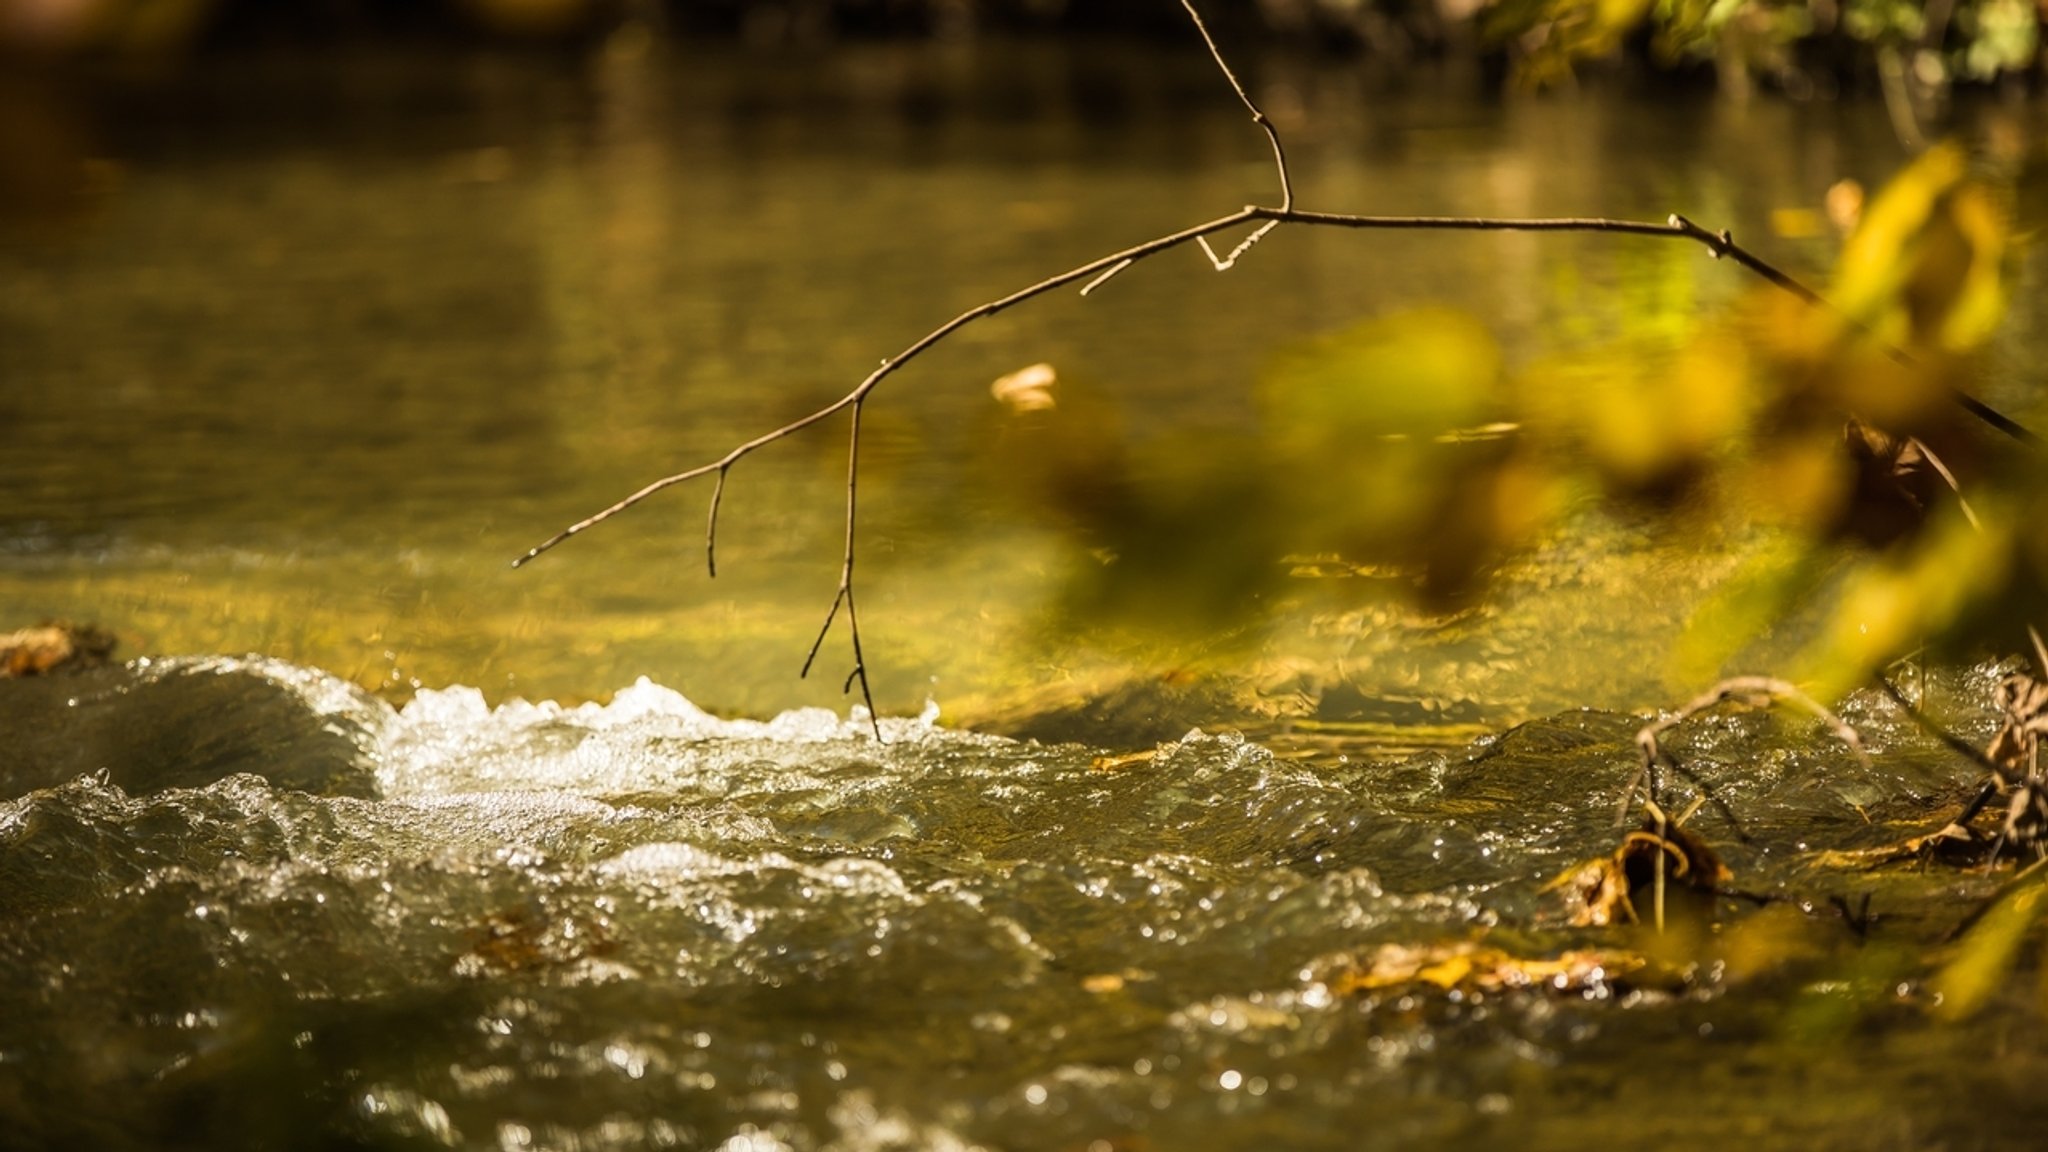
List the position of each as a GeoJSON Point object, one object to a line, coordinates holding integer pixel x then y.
{"type": "Point", "coordinates": [294, 915]}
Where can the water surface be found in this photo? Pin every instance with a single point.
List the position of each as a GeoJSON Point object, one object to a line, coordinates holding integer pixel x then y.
{"type": "Point", "coordinates": [637, 925]}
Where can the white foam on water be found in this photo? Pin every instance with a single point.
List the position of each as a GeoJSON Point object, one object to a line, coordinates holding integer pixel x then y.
{"type": "Point", "coordinates": [668, 862]}
{"type": "Point", "coordinates": [649, 736]}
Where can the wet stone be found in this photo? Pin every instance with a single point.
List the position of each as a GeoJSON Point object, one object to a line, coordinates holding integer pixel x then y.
{"type": "Point", "coordinates": [152, 726]}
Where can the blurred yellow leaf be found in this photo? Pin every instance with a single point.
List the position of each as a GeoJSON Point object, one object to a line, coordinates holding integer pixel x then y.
{"type": "Point", "coordinates": [1418, 373]}
{"type": "Point", "coordinates": [1893, 606]}
{"type": "Point", "coordinates": [1775, 938]}
{"type": "Point", "coordinates": [1382, 446]}
{"type": "Point", "coordinates": [1797, 223]}
{"type": "Point", "coordinates": [1027, 389]}
{"type": "Point", "coordinates": [1924, 266]}
{"type": "Point", "coordinates": [1742, 608]}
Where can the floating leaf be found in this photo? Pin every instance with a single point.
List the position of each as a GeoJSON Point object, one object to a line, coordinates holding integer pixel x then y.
{"type": "Point", "coordinates": [57, 647]}
{"type": "Point", "coordinates": [1027, 389]}
{"type": "Point", "coordinates": [1470, 966]}
{"type": "Point", "coordinates": [1952, 844]}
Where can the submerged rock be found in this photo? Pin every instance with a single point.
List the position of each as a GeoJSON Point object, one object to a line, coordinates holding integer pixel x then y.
{"type": "Point", "coordinates": [153, 725]}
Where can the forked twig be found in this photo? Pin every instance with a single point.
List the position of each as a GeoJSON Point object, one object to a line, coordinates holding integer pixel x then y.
{"type": "Point", "coordinates": [1676, 228]}
{"type": "Point", "coordinates": [1098, 271]}
{"type": "Point", "coordinates": [1259, 116]}
{"type": "Point", "coordinates": [1752, 688]}
{"type": "Point", "coordinates": [1649, 744]}
{"type": "Point", "coordinates": [845, 593]}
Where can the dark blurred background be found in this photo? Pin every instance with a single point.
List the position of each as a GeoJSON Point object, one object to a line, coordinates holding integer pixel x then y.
{"type": "Point", "coordinates": [1805, 48]}
{"type": "Point", "coordinates": [159, 25]}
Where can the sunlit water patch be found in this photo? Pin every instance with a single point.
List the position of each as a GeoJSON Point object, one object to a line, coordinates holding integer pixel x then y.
{"type": "Point", "coordinates": [639, 925]}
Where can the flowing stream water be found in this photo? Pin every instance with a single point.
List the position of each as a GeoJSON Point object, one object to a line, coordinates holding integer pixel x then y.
{"type": "Point", "coordinates": [337, 338]}
{"type": "Point", "coordinates": [285, 914]}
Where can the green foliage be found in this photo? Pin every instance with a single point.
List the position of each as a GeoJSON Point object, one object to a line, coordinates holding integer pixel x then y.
{"type": "Point", "coordinates": [1407, 446]}
{"type": "Point", "coordinates": [1977, 40]}
{"type": "Point", "coordinates": [1410, 375]}
{"type": "Point", "coordinates": [1998, 36]}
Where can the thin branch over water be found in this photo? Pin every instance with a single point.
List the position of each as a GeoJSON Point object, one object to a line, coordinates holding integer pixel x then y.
{"type": "Point", "coordinates": [1098, 271]}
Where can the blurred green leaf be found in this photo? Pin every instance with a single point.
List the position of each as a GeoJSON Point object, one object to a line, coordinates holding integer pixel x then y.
{"type": "Point", "coordinates": [1416, 373]}
{"type": "Point", "coordinates": [1990, 949]}
{"type": "Point", "coordinates": [1901, 601]}
{"type": "Point", "coordinates": [1750, 599]}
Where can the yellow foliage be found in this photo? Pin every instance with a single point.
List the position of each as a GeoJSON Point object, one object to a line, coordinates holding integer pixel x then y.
{"type": "Point", "coordinates": [1990, 948]}
{"type": "Point", "coordinates": [1893, 606]}
{"type": "Point", "coordinates": [1415, 373]}
{"type": "Point", "coordinates": [1925, 265]}
{"type": "Point", "coordinates": [1764, 583]}
{"type": "Point", "coordinates": [1775, 938]}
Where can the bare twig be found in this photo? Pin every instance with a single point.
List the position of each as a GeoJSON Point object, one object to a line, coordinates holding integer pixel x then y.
{"type": "Point", "coordinates": [1954, 743]}
{"type": "Point", "coordinates": [845, 594]}
{"type": "Point", "coordinates": [1099, 281]}
{"type": "Point", "coordinates": [711, 527]}
{"type": "Point", "coordinates": [1676, 228]}
{"type": "Point", "coordinates": [860, 392]}
{"type": "Point", "coordinates": [1259, 117]}
{"type": "Point", "coordinates": [1723, 243]}
{"type": "Point", "coordinates": [1663, 825]}
{"type": "Point", "coordinates": [1949, 478]}
{"type": "Point", "coordinates": [1225, 263]}
{"type": "Point", "coordinates": [1763, 689]}
{"type": "Point", "coordinates": [1988, 414]}
{"type": "Point", "coordinates": [824, 630]}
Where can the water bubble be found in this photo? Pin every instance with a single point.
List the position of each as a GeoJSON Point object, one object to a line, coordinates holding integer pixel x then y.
{"type": "Point", "coordinates": [626, 1059]}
